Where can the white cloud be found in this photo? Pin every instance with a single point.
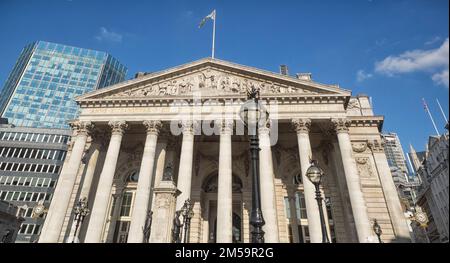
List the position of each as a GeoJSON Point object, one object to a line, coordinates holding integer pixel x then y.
{"type": "Point", "coordinates": [441, 78]}
{"type": "Point", "coordinates": [361, 75]}
{"type": "Point", "coordinates": [433, 61]}
{"type": "Point", "coordinates": [433, 40]}
{"type": "Point", "coordinates": [108, 36]}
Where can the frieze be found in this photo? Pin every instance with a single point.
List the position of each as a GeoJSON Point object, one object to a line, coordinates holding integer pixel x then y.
{"type": "Point", "coordinates": [208, 79]}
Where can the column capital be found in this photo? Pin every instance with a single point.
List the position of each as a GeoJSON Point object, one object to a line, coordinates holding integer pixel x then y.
{"type": "Point", "coordinates": [301, 125]}
{"type": "Point", "coordinates": [118, 127]}
{"type": "Point", "coordinates": [82, 127]}
{"type": "Point", "coordinates": [264, 128]}
{"type": "Point", "coordinates": [152, 126]}
{"type": "Point", "coordinates": [226, 126]}
{"type": "Point", "coordinates": [377, 146]}
{"type": "Point", "coordinates": [189, 126]}
{"type": "Point", "coordinates": [340, 125]}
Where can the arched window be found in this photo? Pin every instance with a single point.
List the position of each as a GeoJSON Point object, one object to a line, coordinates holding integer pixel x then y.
{"type": "Point", "coordinates": [133, 177]}
{"type": "Point", "coordinates": [211, 184]}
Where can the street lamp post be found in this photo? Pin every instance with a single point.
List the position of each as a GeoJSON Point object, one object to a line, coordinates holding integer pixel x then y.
{"type": "Point", "coordinates": [81, 210]}
{"type": "Point", "coordinates": [252, 113]}
{"type": "Point", "coordinates": [315, 174]}
{"type": "Point", "coordinates": [188, 213]}
{"type": "Point", "coordinates": [377, 230]}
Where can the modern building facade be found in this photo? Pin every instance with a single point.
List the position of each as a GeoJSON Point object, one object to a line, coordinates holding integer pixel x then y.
{"type": "Point", "coordinates": [158, 140]}
{"type": "Point", "coordinates": [47, 76]}
{"type": "Point", "coordinates": [404, 180]}
{"type": "Point", "coordinates": [31, 160]}
{"type": "Point", "coordinates": [433, 194]}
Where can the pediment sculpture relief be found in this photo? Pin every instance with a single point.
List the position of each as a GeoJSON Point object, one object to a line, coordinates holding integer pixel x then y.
{"type": "Point", "coordinates": [212, 81]}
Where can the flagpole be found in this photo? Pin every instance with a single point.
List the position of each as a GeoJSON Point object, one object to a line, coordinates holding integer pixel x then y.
{"type": "Point", "coordinates": [214, 34]}
{"type": "Point", "coordinates": [431, 117]}
{"type": "Point", "coordinates": [442, 111]}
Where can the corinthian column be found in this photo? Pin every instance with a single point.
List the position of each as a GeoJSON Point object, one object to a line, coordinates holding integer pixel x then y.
{"type": "Point", "coordinates": [359, 208]}
{"type": "Point", "coordinates": [61, 197]}
{"type": "Point", "coordinates": [100, 208]}
{"type": "Point", "coordinates": [225, 185]}
{"type": "Point", "coordinates": [390, 192]}
{"type": "Point", "coordinates": [267, 186]}
{"type": "Point", "coordinates": [302, 127]}
{"type": "Point", "coordinates": [141, 202]}
{"type": "Point", "coordinates": [185, 168]}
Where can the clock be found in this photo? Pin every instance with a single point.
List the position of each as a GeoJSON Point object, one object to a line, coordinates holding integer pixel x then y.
{"type": "Point", "coordinates": [38, 210]}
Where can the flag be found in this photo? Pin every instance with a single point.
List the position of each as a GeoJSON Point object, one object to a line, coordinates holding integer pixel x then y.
{"type": "Point", "coordinates": [210, 16]}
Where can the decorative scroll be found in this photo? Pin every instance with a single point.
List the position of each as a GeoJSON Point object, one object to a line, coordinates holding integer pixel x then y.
{"type": "Point", "coordinates": [359, 147]}
{"type": "Point", "coordinates": [301, 125]}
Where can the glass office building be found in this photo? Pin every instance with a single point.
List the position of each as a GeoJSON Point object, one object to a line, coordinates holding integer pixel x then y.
{"type": "Point", "coordinates": [39, 91]}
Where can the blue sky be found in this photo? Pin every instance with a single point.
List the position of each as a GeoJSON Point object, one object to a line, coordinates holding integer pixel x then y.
{"type": "Point", "coordinates": [394, 51]}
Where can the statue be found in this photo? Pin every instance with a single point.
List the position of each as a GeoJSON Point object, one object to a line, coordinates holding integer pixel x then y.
{"type": "Point", "coordinates": [168, 173]}
{"type": "Point", "coordinates": [176, 231]}
{"type": "Point", "coordinates": [147, 227]}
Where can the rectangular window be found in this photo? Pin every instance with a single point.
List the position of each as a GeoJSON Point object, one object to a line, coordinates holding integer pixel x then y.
{"type": "Point", "coordinates": [8, 196]}
{"type": "Point", "coordinates": [28, 196]}
{"type": "Point", "coordinates": [39, 182]}
{"type": "Point", "coordinates": [23, 228]}
{"type": "Point", "coordinates": [30, 229]}
{"type": "Point", "coordinates": [8, 167]}
{"type": "Point", "coordinates": [15, 196]}
{"type": "Point", "coordinates": [126, 204]}
{"type": "Point", "coordinates": [34, 197]}
{"type": "Point", "coordinates": [36, 229]}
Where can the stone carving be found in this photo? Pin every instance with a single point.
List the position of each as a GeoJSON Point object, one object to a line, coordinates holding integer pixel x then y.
{"type": "Point", "coordinates": [211, 79]}
{"type": "Point", "coordinates": [153, 126]}
{"type": "Point", "coordinates": [359, 147]}
{"type": "Point", "coordinates": [81, 127]}
{"type": "Point", "coordinates": [364, 167]}
{"type": "Point", "coordinates": [118, 127]}
{"type": "Point", "coordinates": [340, 125]}
{"type": "Point", "coordinates": [301, 125]}
{"type": "Point", "coordinates": [353, 104]}
{"type": "Point", "coordinates": [162, 201]}
{"type": "Point", "coordinates": [376, 146]}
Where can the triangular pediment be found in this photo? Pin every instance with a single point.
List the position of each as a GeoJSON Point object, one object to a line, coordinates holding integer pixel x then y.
{"type": "Point", "coordinates": [211, 78]}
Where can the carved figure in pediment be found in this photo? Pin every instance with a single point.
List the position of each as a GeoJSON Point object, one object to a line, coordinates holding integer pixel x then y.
{"type": "Point", "coordinates": [185, 85]}
{"type": "Point", "coordinates": [235, 85]}
{"type": "Point", "coordinates": [162, 87]}
{"type": "Point", "coordinates": [172, 88]}
{"type": "Point", "coordinates": [201, 81]}
{"type": "Point", "coordinates": [275, 89]}
{"type": "Point", "coordinates": [225, 83]}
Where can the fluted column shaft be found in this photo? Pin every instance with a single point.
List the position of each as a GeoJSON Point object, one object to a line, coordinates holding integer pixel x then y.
{"type": "Point", "coordinates": [267, 186]}
{"type": "Point", "coordinates": [225, 185]}
{"type": "Point", "coordinates": [103, 195]}
{"type": "Point", "coordinates": [185, 167]}
{"type": "Point", "coordinates": [61, 198]}
{"type": "Point", "coordinates": [142, 198]}
{"type": "Point", "coordinates": [302, 127]}
{"type": "Point", "coordinates": [359, 209]}
{"type": "Point", "coordinates": [390, 193]}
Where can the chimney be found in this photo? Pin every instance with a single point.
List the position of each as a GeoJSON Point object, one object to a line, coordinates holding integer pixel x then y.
{"type": "Point", "coordinates": [284, 70]}
{"type": "Point", "coordinates": [304, 76]}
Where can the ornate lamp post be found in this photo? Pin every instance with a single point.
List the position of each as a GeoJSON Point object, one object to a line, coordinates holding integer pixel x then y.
{"type": "Point", "coordinates": [81, 210]}
{"type": "Point", "coordinates": [188, 213]}
{"type": "Point", "coordinates": [377, 230]}
{"type": "Point", "coordinates": [314, 174]}
{"type": "Point", "coordinates": [252, 113]}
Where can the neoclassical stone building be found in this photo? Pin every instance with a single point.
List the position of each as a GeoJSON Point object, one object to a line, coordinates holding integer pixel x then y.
{"type": "Point", "coordinates": [150, 143]}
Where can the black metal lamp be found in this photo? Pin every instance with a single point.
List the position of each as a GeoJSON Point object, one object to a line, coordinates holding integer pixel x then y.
{"type": "Point", "coordinates": [315, 174]}
{"type": "Point", "coordinates": [188, 213]}
{"type": "Point", "coordinates": [252, 114]}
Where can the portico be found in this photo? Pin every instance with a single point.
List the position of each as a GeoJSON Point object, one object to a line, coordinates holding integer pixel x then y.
{"type": "Point", "coordinates": [176, 135]}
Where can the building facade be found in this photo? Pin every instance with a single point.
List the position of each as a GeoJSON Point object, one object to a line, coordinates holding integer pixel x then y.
{"type": "Point", "coordinates": [152, 143]}
{"type": "Point", "coordinates": [31, 160]}
{"type": "Point", "coordinates": [40, 89]}
{"type": "Point", "coordinates": [433, 193]}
